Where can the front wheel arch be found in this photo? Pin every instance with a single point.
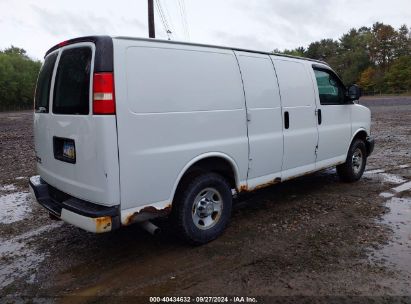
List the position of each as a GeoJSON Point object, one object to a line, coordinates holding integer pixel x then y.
{"type": "Point", "coordinates": [360, 134]}
{"type": "Point", "coordinates": [348, 171]}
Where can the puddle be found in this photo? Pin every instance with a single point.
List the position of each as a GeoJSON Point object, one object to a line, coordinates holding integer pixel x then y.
{"type": "Point", "coordinates": [14, 207]}
{"type": "Point", "coordinates": [386, 194]}
{"type": "Point", "coordinates": [403, 187]}
{"type": "Point", "coordinates": [20, 259]}
{"type": "Point", "coordinates": [392, 178]}
{"type": "Point", "coordinates": [18, 256]}
{"type": "Point", "coordinates": [383, 177]}
{"type": "Point", "coordinates": [10, 187]}
{"type": "Point", "coordinates": [397, 252]}
{"type": "Point", "coordinates": [374, 171]}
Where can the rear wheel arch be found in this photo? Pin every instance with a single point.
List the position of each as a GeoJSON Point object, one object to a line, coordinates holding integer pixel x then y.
{"type": "Point", "coordinates": [218, 163]}
{"type": "Point", "coordinates": [202, 209]}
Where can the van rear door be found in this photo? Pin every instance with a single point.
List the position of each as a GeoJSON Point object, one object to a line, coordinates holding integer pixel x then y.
{"type": "Point", "coordinates": [76, 148]}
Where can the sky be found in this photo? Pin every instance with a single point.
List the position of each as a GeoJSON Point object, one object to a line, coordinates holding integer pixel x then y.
{"type": "Point", "coordinates": [253, 24]}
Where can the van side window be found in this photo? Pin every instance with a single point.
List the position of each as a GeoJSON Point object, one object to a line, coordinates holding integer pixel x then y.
{"type": "Point", "coordinates": [330, 89]}
{"type": "Point", "coordinates": [43, 84]}
{"type": "Point", "coordinates": [72, 84]}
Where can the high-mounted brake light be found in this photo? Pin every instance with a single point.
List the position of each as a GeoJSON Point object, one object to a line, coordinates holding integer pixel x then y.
{"type": "Point", "coordinates": [63, 43]}
{"type": "Point", "coordinates": [103, 94]}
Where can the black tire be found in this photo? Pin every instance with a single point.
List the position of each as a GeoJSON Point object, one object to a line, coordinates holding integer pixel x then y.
{"type": "Point", "coordinates": [192, 208]}
{"type": "Point", "coordinates": [353, 168]}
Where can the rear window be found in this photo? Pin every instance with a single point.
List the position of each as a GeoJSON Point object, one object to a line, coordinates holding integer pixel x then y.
{"type": "Point", "coordinates": [72, 84]}
{"type": "Point", "coordinates": [41, 99]}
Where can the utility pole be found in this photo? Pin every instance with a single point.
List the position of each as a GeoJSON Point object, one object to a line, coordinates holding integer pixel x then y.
{"type": "Point", "coordinates": [151, 29]}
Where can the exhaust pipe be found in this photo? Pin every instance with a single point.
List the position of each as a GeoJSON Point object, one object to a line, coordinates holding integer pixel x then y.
{"type": "Point", "coordinates": [150, 227]}
{"type": "Point", "coordinates": [54, 217]}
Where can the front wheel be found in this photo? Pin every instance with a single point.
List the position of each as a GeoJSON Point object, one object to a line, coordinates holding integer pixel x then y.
{"type": "Point", "coordinates": [354, 166]}
{"type": "Point", "coordinates": [203, 208]}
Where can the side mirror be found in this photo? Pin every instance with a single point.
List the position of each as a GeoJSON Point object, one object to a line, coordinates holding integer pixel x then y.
{"type": "Point", "coordinates": [353, 92]}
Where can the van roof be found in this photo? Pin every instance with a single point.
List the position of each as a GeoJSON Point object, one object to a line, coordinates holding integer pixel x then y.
{"type": "Point", "coordinates": [103, 40]}
{"type": "Point", "coordinates": [218, 46]}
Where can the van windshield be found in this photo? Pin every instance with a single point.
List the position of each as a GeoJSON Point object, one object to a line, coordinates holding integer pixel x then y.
{"type": "Point", "coordinates": [72, 84]}
{"type": "Point", "coordinates": [41, 99]}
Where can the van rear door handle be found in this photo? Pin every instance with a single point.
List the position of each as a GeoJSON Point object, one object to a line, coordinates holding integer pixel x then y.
{"type": "Point", "coordinates": [320, 119]}
{"type": "Point", "coordinates": [286, 120]}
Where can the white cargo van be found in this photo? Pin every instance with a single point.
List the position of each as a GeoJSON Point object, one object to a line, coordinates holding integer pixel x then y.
{"type": "Point", "coordinates": [130, 129]}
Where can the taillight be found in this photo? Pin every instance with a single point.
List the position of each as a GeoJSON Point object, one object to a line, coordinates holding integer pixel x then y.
{"type": "Point", "coordinates": [103, 93]}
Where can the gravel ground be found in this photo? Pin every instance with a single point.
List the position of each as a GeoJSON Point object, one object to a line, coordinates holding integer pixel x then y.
{"type": "Point", "coordinates": [312, 236]}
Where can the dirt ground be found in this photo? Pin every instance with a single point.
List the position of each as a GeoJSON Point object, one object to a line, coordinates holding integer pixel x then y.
{"type": "Point", "coordinates": [312, 236]}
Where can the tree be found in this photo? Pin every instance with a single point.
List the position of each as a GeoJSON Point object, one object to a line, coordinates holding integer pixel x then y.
{"type": "Point", "coordinates": [299, 52]}
{"type": "Point", "coordinates": [15, 51]}
{"type": "Point", "coordinates": [367, 79]}
{"type": "Point", "coordinates": [323, 49]}
{"type": "Point", "coordinates": [18, 74]}
{"type": "Point", "coordinates": [403, 43]}
{"type": "Point", "coordinates": [398, 77]}
{"type": "Point", "coordinates": [354, 55]}
{"type": "Point", "coordinates": [376, 57]}
{"type": "Point", "coordinates": [383, 44]}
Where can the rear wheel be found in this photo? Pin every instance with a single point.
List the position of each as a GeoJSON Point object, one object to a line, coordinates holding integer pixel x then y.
{"type": "Point", "coordinates": [354, 166]}
{"type": "Point", "coordinates": [203, 208]}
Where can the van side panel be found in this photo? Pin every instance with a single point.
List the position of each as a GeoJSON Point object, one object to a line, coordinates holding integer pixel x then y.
{"type": "Point", "coordinates": [265, 131]}
{"type": "Point", "coordinates": [297, 98]}
{"type": "Point", "coordinates": [174, 103]}
{"type": "Point", "coordinates": [361, 119]}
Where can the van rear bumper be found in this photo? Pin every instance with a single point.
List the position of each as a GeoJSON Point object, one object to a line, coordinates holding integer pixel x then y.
{"type": "Point", "coordinates": [88, 216]}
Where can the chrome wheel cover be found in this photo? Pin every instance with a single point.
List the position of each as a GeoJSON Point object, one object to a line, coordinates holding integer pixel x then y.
{"type": "Point", "coordinates": [357, 161]}
{"type": "Point", "coordinates": [207, 208]}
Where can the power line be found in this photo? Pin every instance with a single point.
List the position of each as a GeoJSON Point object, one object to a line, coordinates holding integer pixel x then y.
{"type": "Point", "coordinates": [160, 13]}
{"type": "Point", "coordinates": [168, 16]}
{"type": "Point", "coordinates": [163, 19]}
{"type": "Point", "coordinates": [182, 18]}
{"type": "Point", "coordinates": [183, 14]}
{"type": "Point", "coordinates": [186, 19]}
